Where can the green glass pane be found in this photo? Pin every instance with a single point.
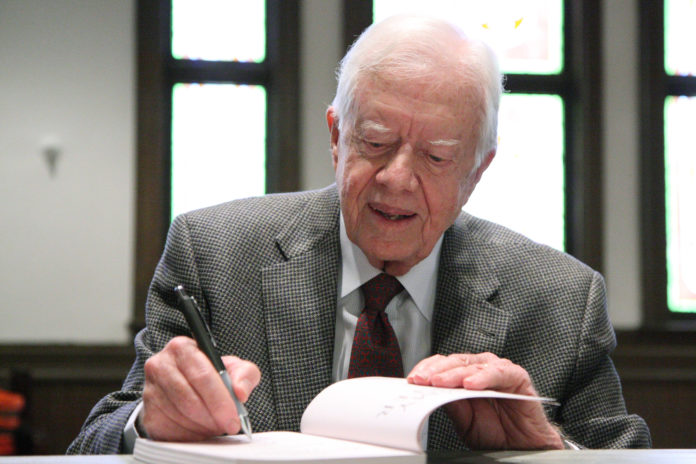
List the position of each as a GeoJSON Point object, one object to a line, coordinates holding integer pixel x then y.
{"type": "Point", "coordinates": [218, 144]}
{"type": "Point", "coordinates": [219, 30]}
{"type": "Point", "coordinates": [527, 35]}
{"type": "Point", "coordinates": [680, 37]}
{"type": "Point", "coordinates": [524, 187]}
{"type": "Point", "coordinates": [680, 193]}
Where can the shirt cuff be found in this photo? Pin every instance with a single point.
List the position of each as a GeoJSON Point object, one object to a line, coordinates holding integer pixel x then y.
{"type": "Point", "coordinates": [570, 445]}
{"type": "Point", "coordinates": [131, 431]}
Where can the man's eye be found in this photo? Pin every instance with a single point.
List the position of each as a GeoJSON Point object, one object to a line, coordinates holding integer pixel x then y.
{"type": "Point", "coordinates": [374, 144]}
{"type": "Point", "coordinates": [436, 159]}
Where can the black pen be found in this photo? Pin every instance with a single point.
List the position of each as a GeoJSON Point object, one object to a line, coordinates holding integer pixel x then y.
{"type": "Point", "coordinates": [206, 343]}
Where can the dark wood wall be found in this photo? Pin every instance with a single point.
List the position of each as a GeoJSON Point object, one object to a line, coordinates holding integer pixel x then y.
{"type": "Point", "coordinates": [62, 383]}
{"type": "Point", "coordinates": [658, 373]}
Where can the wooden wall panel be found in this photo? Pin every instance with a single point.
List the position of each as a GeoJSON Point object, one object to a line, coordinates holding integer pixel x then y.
{"type": "Point", "coordinates": [658, 374]}
{"type": "Point", "coordinates": [61, 384]}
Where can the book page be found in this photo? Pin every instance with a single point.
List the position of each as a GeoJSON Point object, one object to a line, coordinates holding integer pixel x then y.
{"type": "Point", "coordinates": [383, 410]}
{"type": "Point", "coordinates": [270, 447]}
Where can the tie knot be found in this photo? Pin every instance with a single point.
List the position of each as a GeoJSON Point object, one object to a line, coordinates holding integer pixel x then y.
{"type": "Point", "coordinates": [380, 290]}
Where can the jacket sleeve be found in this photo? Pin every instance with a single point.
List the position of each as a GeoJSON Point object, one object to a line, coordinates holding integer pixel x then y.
{"type": "Point", "coordinates": [593, 413]}
{"type": "Point", "coordinates": [102, 432]}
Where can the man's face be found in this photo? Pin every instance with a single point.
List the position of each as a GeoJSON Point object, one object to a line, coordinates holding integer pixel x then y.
{"type": "Point", "coordinates": [404, 168]}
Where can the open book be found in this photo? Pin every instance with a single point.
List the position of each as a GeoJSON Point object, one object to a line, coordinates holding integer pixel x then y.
{"type": "Point", "coordinates": [372, 419]}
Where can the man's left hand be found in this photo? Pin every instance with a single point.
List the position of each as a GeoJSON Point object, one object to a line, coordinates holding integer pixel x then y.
{"type": "Point", "coordinates": [486, 423]}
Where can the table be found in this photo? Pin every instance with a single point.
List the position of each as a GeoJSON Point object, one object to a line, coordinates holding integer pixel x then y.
{"type": "Point", "coordinates": [649, 456]}
{"type": "Point", "coordinates": [652, 456]}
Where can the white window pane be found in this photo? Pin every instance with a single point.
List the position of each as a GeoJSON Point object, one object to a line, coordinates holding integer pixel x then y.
{"type": "Point", "coordinates": [524, 187]}
{"type": "Point", "coordinates": [218, 144]}
{"type": "Point", "coordinates": [680, 37]}
{"type": "Point", "coordinates": [219, 30]}
{"type": "Point", "coordinates": [680, 194]}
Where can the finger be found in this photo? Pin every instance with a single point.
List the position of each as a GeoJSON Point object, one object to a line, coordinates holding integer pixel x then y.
{"type": "Point", "coordinates": [245, 376]}
{"type": "Point", "coordinates": [423, 372]}
{"type": "Point", "coordinates": [502, 375]}
{"type": "Point", "coordinates": [168, 395]}
{"type": "Point", "coordinates": [217, 411]}
{"type": "Point", "coordinates": [461, 414]}
{"type": "Point", "coordinates": [499, 374]}
{"type": "Point", "coordinates": [457, 377]}
{"type": "Point", "coordinates": [162, 421]}
{"type": "Point", "coordinates": [192, 378]}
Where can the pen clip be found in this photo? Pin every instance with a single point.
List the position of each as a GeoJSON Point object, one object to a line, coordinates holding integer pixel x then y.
{"type": "Point", "coordinates": [183, 296]}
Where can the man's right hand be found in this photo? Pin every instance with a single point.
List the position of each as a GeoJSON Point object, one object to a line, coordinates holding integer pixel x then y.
{"type": "Point", "coordinates": [184, 398]}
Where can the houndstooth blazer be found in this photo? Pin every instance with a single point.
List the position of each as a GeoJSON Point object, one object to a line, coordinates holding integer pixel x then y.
{"type": "Point", "coordinates": [265, 272]}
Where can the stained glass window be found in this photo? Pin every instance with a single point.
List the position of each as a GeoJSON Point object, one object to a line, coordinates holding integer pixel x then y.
{"type": "Point", "coordinates": [527, 35]}
{"type": "Point", "coordinates": [680, 195]}
{"type": "Point", "coordinates": [218, 144]}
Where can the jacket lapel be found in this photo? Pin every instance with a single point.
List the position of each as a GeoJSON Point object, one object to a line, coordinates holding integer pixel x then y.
{"type": "Point", "coordinates": [300, 297]}
{"type": "Point", "coordinates": [466, 319]}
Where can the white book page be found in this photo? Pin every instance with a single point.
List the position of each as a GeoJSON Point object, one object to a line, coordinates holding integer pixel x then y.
{"type": "Point", "coordinates": [383, 410]}
{"type": "Point", "coordinates": [270, 447]}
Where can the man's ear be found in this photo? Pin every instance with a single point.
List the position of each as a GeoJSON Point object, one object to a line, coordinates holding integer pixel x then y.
{"type": "Point", "coordinates": [473, 178]}
{"type": "Point", "coordinates": [332, 122]}
{"type": "Point", "coordinates": [484, 165]}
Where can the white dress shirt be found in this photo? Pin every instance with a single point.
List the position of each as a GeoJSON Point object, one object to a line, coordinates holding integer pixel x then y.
{"type": "Point", "coordinates": [410, 312]}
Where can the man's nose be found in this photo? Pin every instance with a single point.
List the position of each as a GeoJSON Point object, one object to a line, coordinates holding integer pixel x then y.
{"type": "Point", "coordinates": [399, 171]}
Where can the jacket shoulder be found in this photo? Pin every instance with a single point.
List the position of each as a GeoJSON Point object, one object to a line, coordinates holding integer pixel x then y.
{"type": "Point", "coordinates": [502, 246]}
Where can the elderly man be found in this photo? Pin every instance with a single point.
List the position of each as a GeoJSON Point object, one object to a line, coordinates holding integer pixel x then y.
{"type": "Point", "coordinates": [412, 129]}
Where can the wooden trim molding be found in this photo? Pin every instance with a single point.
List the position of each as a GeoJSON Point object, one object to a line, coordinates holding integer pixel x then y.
{"type": "Point", "coordinates": [157, 71]}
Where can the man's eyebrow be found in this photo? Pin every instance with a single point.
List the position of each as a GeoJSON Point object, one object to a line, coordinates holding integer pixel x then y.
{"type": "Point", "coordinates": [444, 142]}
{"type": "Point", "coordinates": [374, 126]}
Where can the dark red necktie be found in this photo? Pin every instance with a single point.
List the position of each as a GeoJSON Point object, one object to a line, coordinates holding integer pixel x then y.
{"type": "Point", "coordinates": [375, 347]}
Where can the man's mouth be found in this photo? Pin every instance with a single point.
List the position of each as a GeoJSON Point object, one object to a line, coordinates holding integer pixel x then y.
{"type": "Point", "coordinates": [390, 215]}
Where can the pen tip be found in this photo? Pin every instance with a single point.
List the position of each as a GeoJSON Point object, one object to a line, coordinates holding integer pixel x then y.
{"type": "Point", "coordinates": [246, 426]}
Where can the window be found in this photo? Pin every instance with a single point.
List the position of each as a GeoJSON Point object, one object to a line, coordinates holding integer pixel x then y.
{"type": "Point", "coordinates": [536, 185]}
{"type": "Point", "coordinates": [668, 170]}
{"type": "Point", "coordinates": [218, 129]}
{"type": "Point", "coordinates": [217, 112]}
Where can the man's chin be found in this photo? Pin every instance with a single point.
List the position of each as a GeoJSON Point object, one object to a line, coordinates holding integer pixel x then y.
{"type": "Point", "coordinates": [397, 268]}
{"type": "Point", "coordinates": [394, 264]}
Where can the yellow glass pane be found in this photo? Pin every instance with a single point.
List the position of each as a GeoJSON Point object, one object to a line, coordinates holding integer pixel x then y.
{"type": "Point", "coordinates": [527, 35]}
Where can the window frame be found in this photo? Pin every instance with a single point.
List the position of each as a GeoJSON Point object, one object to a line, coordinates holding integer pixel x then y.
{"type": "Point", "coordinates": [157, 72]}
{"type": "Point", "coordinates": [655, 85]}
{"type": "Point", "coordinates": [579, 84]}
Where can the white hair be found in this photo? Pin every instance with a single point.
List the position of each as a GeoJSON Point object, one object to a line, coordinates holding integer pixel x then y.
{"type": "Point", "coordinates": [407, 47]}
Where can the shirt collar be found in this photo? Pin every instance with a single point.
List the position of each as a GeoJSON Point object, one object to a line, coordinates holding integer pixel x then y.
{"type": "Point", "coordinates": [420, 281]}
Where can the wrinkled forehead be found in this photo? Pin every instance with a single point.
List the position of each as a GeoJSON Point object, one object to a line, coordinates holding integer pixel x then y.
{"type": "Point", "coordinates": [425, 95]}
